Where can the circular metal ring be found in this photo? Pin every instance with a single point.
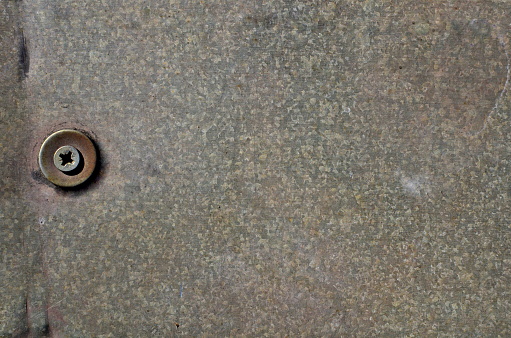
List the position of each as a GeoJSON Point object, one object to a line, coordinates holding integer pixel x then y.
{"type": "Point", "coordinates": [73, 168]}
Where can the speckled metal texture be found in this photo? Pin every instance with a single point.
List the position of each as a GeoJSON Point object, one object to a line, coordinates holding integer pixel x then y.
{"type": "Point", "coordinates": [269, 168]}
{"type": "Point", "coordinates": [86, 157]}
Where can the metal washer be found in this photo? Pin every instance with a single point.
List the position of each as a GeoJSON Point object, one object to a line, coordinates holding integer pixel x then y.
{"type": "Point", "coordinates": [75, 139]}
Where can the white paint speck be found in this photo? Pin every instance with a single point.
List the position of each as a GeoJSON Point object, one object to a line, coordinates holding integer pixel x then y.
{"type": "Point", "coordinates": [415, 185]}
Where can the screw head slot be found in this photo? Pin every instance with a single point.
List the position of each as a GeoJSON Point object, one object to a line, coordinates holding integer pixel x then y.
{"type": "Point", "coordinates": [67, 158]}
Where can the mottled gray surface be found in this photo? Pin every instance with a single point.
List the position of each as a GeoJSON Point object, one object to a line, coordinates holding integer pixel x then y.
{"type": "Point", "coordinates": [15, 217]}
{"type": "Point", "coordinates": [314, 168]}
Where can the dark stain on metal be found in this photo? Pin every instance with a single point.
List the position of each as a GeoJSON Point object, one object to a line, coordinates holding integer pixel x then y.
{"type": "Point", "coordinates": [23, 57]}
{"type": "Point", "coordinates": [29, 329]}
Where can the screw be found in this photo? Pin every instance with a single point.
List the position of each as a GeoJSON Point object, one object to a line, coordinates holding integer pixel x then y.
{"type": "Point", "coordinates": [66, 158]}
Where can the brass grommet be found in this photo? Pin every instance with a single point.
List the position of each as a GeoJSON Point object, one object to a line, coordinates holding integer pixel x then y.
{"type": "Point", "coordinates": [67, 158]}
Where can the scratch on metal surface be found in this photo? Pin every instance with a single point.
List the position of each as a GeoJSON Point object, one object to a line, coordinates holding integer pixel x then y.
{"type": "Point", "coordinates": [44, 312]}
{"type": "Point", "coordinates": [55, 304]}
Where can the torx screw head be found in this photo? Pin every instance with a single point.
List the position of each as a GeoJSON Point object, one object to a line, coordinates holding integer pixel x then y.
{"type": "Point", "coordinates": [66, 158]}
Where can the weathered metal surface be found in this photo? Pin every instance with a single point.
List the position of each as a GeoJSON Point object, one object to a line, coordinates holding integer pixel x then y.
{"type": "Point", "coordinates": [301, 168]}
{"type": "Point", "coordinates": [14, 217]}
